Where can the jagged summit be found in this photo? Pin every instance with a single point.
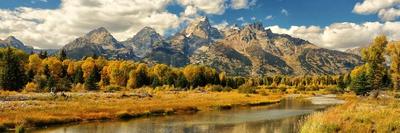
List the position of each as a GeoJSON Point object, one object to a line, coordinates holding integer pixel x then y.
{"type": "Point", "coordinates": [202, 28]}
{"type": "Point", "coordinates": [238, 50]}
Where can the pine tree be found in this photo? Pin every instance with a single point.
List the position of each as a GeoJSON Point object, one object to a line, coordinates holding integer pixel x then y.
{"type": "Point", "coordinates": [340, 83]}
{"type": "Point", "coordinates": [360, 84]}
{"type": "Point", "coordinates": [51, 82]}
{"type": "Point", "coordinates": [12, 74]}
{"type": "Point", "coordinates": [90, 82]}
{"type": "Point", "coordinates": [181, 82]}
{"type": "Point", "coordinates": [62, 55]}
{"type": "Point", "coordinates": [78, 77]}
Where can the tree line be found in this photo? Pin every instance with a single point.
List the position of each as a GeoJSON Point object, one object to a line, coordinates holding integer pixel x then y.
{"type": "Point", "coordinates": [41, 73]}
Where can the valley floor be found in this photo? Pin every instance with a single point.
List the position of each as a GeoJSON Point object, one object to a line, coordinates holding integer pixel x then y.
{"type": "Point", "coordinates": [44, 109]}
{"type": "Point", "coordinates": [363, 115]}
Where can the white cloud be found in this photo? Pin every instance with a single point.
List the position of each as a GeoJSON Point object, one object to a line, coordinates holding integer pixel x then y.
{"type": "Point", "coordinates": [341, 36]}
{"type": "Point", "coordinates": [190, 11]}
{"type": "Point", "coordinates": [387, 10]}
{"type": "Point", "coordinates": [269, 17]}
{"type": "Point", "coordinates": [209, 7]}
{"type": "Point", "coordinates": [242, 4]}
{"type": "Point", "coordinates": [240, 19]}
{"type": "Point", "coordinates": [221, 25]}
{"type": "Point", "coordinates": [285, 12]}
{"type": "Point", "coordinates": [52, 28]}
{"type": "Point", "coordinates": [253, 18]}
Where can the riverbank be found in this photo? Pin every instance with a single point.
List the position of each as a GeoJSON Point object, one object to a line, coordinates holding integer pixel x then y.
{"type": "Point", "coordinates": [357, 115]}
{"type": "Point", "coordinates": [38, 110]}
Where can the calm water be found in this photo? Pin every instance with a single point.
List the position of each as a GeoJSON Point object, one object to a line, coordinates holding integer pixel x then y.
{"type": "Point", "coordinates": [283, 117]}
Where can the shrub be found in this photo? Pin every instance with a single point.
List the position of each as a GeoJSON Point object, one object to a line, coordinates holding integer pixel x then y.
{"type": "Point", "coordinates": [31, 87]}
{"type": "Point", "coordinates": [20, 129]}
{"type": "Point", "coordinates": [112, 88]}
{"type": "Point", "coordinates": [301, 88]}
{"type": "Point", "coordinates": [247, 89]}
{"type": "Point", "coordinates": [78, 88]}
{"type": "Point", "coordinates": [214, 88]}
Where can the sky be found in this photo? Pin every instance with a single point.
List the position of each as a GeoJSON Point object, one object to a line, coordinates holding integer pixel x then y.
{"type": "Point", "coordinates": [333, 24]}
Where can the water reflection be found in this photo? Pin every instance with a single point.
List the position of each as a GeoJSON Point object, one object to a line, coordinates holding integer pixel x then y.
{"type": "Point", "coordinates": [283, 117]}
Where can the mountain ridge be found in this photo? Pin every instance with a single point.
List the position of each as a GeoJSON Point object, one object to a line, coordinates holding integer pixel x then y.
{"type": "Point", "coordinates": [250, 50]}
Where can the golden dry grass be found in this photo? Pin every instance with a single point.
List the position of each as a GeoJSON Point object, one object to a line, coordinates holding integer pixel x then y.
{"type": "Point", "coordinates": [42, 109]}
{"type": "Point", "coordinates": [357, 115]}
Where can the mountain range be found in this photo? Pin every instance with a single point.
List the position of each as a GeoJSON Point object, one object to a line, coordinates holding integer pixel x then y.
{"type": "Point", "coordinates": [250, 50]}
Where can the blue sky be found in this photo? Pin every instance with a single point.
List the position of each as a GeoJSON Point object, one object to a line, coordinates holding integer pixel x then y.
{"type": "Point", "coordinates": [333, 24]}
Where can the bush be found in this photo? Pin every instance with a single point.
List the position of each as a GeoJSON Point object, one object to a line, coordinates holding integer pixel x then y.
{"type": "Point", "coordinates": [20, 129]}
{"type": "Point", "coordinates": [112, 88]}
{"type": "Point", "coordinates": [78, 88]}
{"type": "Point", "coordinates": [214, 88]}
{"type": "Point", "coordinates": [301, 88]}
{"type": "Point", "coordinates": [247, 89]}
{"type": "Point", "coordinates": [31, 87]}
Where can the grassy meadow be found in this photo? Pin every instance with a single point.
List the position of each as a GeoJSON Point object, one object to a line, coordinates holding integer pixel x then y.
{"type": "Point", "coordinates": [29, 110]}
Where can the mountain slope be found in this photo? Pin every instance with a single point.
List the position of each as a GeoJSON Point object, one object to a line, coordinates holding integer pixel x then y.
{"type": "Point", "coordinates": [150, 46]}
{"type": "Point", "coordinates": [98, 42]}
{"type": "Point", "coordinates": [250, 50]}
{"type": "Point", "coordinates": [11, 41]}
{"type": "Point", "coordinates": [272, 53]}
{"type": "Point", "coordinates": [197, 34]}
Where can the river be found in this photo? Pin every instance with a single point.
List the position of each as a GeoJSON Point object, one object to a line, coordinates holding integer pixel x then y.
{"type": "Point", "coordinates": [285, 117]}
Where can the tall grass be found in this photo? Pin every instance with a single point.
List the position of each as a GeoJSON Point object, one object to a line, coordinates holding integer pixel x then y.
{"type": "Point", "coordinates": [43, 110]}
{"type": "Point", "coordinates": [357, 115]}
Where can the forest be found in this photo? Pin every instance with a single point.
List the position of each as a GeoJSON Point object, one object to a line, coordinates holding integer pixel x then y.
{"type": "Point", "coordinates": [43, 73]}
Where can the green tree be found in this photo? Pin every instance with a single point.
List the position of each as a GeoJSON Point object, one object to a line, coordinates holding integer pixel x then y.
{"type": "Point", "coordinates": [90, 82]}
{"type": "Point", "coordinates": [360, 84]}
{"type": "Point", "coordinates": [62, 55]}
{"type": "Point", "coordinates": [375, 62]}
{"type": "Point", "coordinates": [12, 73]}
{"type": "Point", "coordinates": [393, 51]}
{"type": "Point", "coordinates": [78, 76]}
{"type": "Point", "coordinates": [340, 83]}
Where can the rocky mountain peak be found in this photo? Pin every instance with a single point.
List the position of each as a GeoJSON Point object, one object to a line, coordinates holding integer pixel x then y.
{"type": "Point", "coordinates": [255, 26]}
{"type": "Point", "coordinates": [12, 41]}
{"type": "Point", "coordinates": [202, 28]}
{"type": "Point", "coordinates": [103, 37]}
{"type": "Point", "coordinates": [148, 33]}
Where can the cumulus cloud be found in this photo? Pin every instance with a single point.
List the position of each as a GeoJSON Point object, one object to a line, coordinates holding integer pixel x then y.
{"type": "Point", "coordinates": [242, 4]}
{"type": "Point", "coordinates": [52, 28]}
{"type": "Point", "coordinates": [387, 10]}
{"type": "Point", "coordinates": [209, 7]}
{"type": "Point", "coordinates": [342, 36]}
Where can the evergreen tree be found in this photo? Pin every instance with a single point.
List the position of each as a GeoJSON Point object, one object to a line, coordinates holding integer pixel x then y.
{"type": "Point", "coordinates": [12, 73]}
{"type": "Point", "coordinates": [340, 83]}
{"type": "Point", "coordinates": [30, 75]}
{"type": "Point", "coordinates": [90, 82]}
{"type": "Point", "coordinates": [51, 82]}
{"type": "Point", "coordinates": [155, 82]}
{"type": "Point", "coordinates": [375, 62]}
{"type": "Point", "coordinates": [62, 55]}
{"type": "Point", "coordinates": [181, 82]}
{"type": "Point", "coordinates": [360, 84]}
{"type": "Point", "coordinates": [78, 76]}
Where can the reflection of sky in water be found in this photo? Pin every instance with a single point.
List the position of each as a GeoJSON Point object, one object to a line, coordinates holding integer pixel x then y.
{"type": "Point", "coordinates": [283, 117]}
